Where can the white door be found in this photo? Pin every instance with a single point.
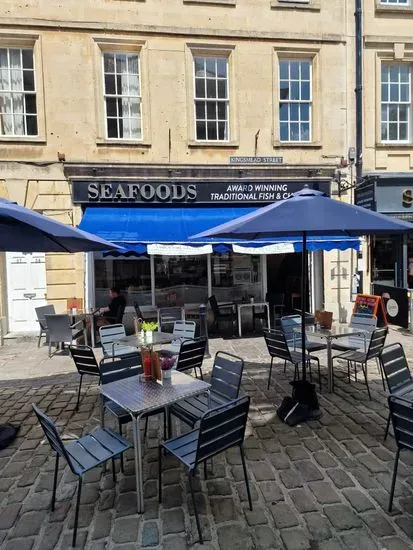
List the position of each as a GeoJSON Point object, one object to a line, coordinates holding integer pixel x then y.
{"type": "Point", "coordinates": [26, 289]}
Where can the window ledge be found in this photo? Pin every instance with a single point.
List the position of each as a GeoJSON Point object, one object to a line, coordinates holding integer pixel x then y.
{"type": "Point", "coordinates": [297, 145]}
{"type": "Point", "coordinates": [393, 8]}
{"type": "Point", "coordinates": [381, 145]}
{"type": "Point", "coordinates": [313, 5]}
{"type": "Point", "coordinates": [216, 144]}
{"type": "Point", "coordinates": [216, 2]}
{"type": "Point", "coordinates": [23, 140]}
{"type": "Point", "coordinates": [122, 143]}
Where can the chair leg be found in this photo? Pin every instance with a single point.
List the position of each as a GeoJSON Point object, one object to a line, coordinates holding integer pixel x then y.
{"type": "Point", "coordinates": [79, 490]}
{"type": "Point", "coordinates": [348, 372]}
{"type": "Point", "coordinates": [393, 481]}
{"type": "Point", "coordinates": [241, 448]}
{"type": "Point", "coordinates": [121, 456]}
{"type": "Point", "coordinates": [56, 469]}
{"type": "Point", "coordinates": [205, 469]}
{"type": "Point", "coordinates": [201, 540]}
{"type": "Point", "coordinates": [169, 424]}
{"type": "Point", "coordinates": [113, 470]}
{"type": "Point", "coordinates": [160, 473]}
{"type": "Point", "coordinates": [285, 366]}
{"type": "Point", "coordinates": [317, 360]}
{"type": "Point", "coordinates": [381, 372]}
{"type": "Point", "coordinates": [40, 338]}
{"type": "Point", "coordinates": [78, 392]}
{"type": "Point", "coordinates": [355, 371]}
{"type": "Point", "coordinates": [146, 427]}
{"type": "Point", "coordinates": [269, 377]}
{"type": "Point", "coordinates": [364, 369]}
{"type": "Point", "coordinates": [309, 370]}
{"type": "Point", "coordinates": [387, 428]}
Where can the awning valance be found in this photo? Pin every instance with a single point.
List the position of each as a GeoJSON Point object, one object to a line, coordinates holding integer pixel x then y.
{"type": "Point", "coordinates": [146, 230]}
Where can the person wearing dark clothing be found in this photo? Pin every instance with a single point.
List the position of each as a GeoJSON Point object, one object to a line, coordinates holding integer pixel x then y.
{"type": "Point", "coordinates": [111, 311]}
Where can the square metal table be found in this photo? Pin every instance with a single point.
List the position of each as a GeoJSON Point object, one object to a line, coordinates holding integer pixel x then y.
{"type": "Point", "coordinates": [338, 330]}
{"type": "Point", "coordinates": [252, 305]}
{"type": "Point", "coordinates": [138, 398]}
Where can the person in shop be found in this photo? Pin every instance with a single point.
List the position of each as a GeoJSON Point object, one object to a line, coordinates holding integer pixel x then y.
{"type": "Point", "coordinates": [112, 312]}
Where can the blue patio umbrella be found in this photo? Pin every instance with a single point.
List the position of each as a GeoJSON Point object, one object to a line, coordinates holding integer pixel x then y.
{"type": "Point", "coordinates": [24, 230]}
{"type": "Point", "coordinates": [307, 213]}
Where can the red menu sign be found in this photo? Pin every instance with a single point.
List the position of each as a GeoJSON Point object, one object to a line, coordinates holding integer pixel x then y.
{"type": "Point", "coordinates": [368, 304]}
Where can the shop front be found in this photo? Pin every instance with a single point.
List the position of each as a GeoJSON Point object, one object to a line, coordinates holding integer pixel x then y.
{"type": "Point", "coordinates": [160, 265]}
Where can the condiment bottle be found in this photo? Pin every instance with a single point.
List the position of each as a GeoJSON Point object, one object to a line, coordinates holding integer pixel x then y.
{"type": "Point", "coordinates": [147, 366]}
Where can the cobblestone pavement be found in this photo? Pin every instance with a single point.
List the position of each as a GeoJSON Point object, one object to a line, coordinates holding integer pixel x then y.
{"type": "Point", "coordinates": [322, 485]}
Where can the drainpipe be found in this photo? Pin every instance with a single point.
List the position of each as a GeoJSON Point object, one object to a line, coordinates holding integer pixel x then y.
{"type": "Point", "coordinates": [359, 90]}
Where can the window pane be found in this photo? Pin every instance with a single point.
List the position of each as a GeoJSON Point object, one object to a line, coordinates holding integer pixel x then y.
{"type": "Point", "coordinates": [222, 110]}
{"type": "Point", "coordinates": [31, 124]}
{"type": "Point", "coordinates": [294, 132]}
{"type": "Point", "coordinates": [404, 93]}
{"type": "Point", "coordinates": [384, 92]}
{"type": "Point", "coordinates": [393, 132]}
{"type": "Point", "coordinates": [284, 90]}
{"type": "Point", "coordinates": [211, 88]}
{"type": "Point", "coordinates": [180, 279]}
{"type": "Point", "coordinates": [133, 85]}
{"type": "Point", "coordinates": [210, 67]}
{"type": "Point", "coordinates": [222, 131]}
{"type": "Point", "coordinates": [393, 111]}
{"type": "Point", "coordinates": [394, 92]}
{"type": "Point", "coordinates": [136, 129]}
{"type": "Point", "coordinates": [284, 131]}
{"type": "Point", "coordinates": [28, 81]}
{"type": "Point", "coordinates": [201, 130]}
{"type": "Point", "coordinates": [135, 109]}
{"type": "Point", "coordinates": [110, 87]}
{"type": "Point", "coordinates": [305, 70]}
{"type": "Point", "coordinates": [305, 132]}
{"type": "Point", "coordinates": [27, 59]}
{"type": "Point", "coordinates": [109, 62]}
{"type": "Point", "coordinates": [222, 89]}
{"type": "Point", "coordinates": [199, 87]}
{"type": "Point", "coordinates": [394, 73]}
{"type": "Point", "coordinates": [120, 63]}
{"type": "Point", "coordinates": [403, 113]}
{"type": "Point", "coordinates": [404, 73]}
{"type": "Point", "coordinates": [211, 110]}
{"type": "Point", "coordinates": [305, 91]}
{"type": "Point", "coordinates": [111, 106]}
{"type": "Point", "coordinates": [283, 111]}
{"type": "Point", "coordinates": [283, 70]}
{"type": "Point", "coordinates": [294, 111]}
{"type": "Point", "coordinates": [30, 102]}
{"type": "Point", "coordinates": [133, 64]}
{"type": "Point", "coordinates": [212, 131]}
{"type": "Point", "coordinates": [200, 109]}
{"type": "Point", "coordinates": [294, 70]}
{"type": "Point", "coordinates": [4, 80]}
{"type": "Point", "coordinates": [126, 128]}
{"type": "Point", "coordinates": [3, 58]}
{"type": "Point", "coordinates": [15, 60]}
{"type": "Point", "coordinates": [236, 277]}
{"type": "Point", "coordinates": [125, 107]}
{"type": "Point", "coordinates": [384, 112]}
{"type": "Point", "coordinates": [6, 125]}
{"type": "Point", "coordinates": [403, 132]}
{"type": "Point", "coordinates": [5, 103]}
{"type": "Point", "coordinates": [18, 103]}
{"type": "Point", "coordinates": [17, 80]}
{"type": "Point", "coordinates": [295, 91]}
{"type": "Point", "coordinates": [112, 127]}
{"type": "Point", "coordinates": [18, 121]}
{"type": "Point", "coordinates": [305, 112]}
{"type": "Point", "coordinates": [199, 66]}
{"type": "Point", "coordinates": [384, 136]}
{"type": "Point", "coordinates": [222, 67]}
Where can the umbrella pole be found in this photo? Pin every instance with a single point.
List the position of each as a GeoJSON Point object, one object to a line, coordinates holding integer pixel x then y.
{"type": "Point", "coordinates": [304, 268]}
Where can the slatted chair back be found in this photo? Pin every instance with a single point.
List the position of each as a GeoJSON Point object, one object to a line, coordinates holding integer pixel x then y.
{"type": "Point", "coordinates": [377, 341]}
{"type": "Point", "coordinates": [401, 414]}
{"type": "Point", "coordinates": [84, 360]}
{"type": "Point", "coordinates": [184, 329]}
{"type": "Point", "coordinates": [110, 334]}
{"type": "Point", "coordinates": [396, 369]}
{"type": "Point", "coordinates": [119, 368]}
{"type": "Point", "coordinates": [226, 375]}
{"type": "Point", "coordinates": [53, 437]}
{"type": "Point", "coordinates": [214, 306]}
{"type": "Point", "coordinates": [222, 428]}
{"type": "Point", "coordinates": [191, 354]}
{"type": "Point", "coordinates": [289, 325]}
{"type": "Point", "coordinates": [41, 312]}
{"type": "Point", "coordinates": [167, 316]}
{"type": "Point", "coordinates": [138, 311]}
{"type": "Point", "coordinates": [277, 344]}
{"type": "Point", "coordinates": [59, 328]}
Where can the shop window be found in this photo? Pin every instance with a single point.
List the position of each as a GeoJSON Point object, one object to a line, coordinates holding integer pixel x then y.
{"type": "Point", "coordinates": [18, 109]}
{"type": "Point", "coordinates": [395, 102]}
{"type": "Point", "coordinates": [295, 100]}
{"type": "Point", "coordinates": [211, 98]}
{"type": "Point", "coordinates": [236, 277]}
{"type": "Point", "coordinates": [122, 95]}
{"type": "Point", "coordinates": [131, 276]}
{"type": "Point", "coordinates": [180, 280]}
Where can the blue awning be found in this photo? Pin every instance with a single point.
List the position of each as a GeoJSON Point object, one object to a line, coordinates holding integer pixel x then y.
{"type": "Point", "coordinates": [134, 228]}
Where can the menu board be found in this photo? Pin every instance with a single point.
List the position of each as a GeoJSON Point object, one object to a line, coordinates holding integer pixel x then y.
{"type": "Point", "coordinates": [368, 304]}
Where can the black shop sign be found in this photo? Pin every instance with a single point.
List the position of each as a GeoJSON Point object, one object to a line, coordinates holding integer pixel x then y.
{"type": "Point", "coordinates": [190, 192]}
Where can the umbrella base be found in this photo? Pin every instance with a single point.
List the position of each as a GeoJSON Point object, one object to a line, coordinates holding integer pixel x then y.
{"type": "Point", "coordinates": [302, 406]}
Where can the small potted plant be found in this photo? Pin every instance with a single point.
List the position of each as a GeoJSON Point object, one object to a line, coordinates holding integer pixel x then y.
{"type": "Point", "coordinates": [167, 364]}
{"type": "Point", "coordinates": [148, 327]}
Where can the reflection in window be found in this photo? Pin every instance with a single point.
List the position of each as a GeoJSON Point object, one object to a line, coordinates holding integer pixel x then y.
{"type": "Point", "coordinates": [295, 100]}
{"type": "Point", "coordinates": [236, 277]}
{"type": "Point", "coordinates": [132, 277]}
{"type": "Point", "coordinates": [180, 280]}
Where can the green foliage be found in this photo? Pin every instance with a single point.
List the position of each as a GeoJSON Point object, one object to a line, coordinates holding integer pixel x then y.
{"type": "Point", "coordinates": [148, 326]}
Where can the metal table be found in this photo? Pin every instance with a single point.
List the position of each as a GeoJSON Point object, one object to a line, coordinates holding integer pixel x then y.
{"type": "Point", "coordinates": [252, 304]}
{"type": "Point", "coordinates": [87, 313]}
{"type": "Point", "coordinates": [148, 340]}
{"type": "Point", "coordinates": [138, 398]}
{"type": "Point", "coordinates": [338, 330]}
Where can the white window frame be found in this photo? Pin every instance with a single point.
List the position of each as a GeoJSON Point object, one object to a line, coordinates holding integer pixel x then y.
{"type": "Point", "coordinates": [296, 101]}
{"type": "Point", "coordinates": [395, 2]}
{"type": "Point", "coordinates": [398, 103]}
{"type": "Point", "coordinates": [11, 92]}
{"type": "Point", "coordinates": [216, 100]}
{"type": "Point", "coordinates": [120, 96]}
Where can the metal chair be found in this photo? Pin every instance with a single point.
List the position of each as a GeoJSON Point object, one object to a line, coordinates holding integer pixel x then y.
{"type": "Point", "coordinates": [82, 454]}
{"type": "Point", "coordinates": [60, 330]}
{"type": "Point", "coordinates": [191, 356]}
{"type": "Point", "coordinates": [290, 324]}
{"type": "Point", "coordinates": [85, 362]}
{"type": "Point", "coordinates": [277, 306]}
{"type": "Point", "coordinates": [40, 313]}
{"type": "Point", "coordinates": [376, 344]}
{"type": "Point", "coordinates": [139, 314]}
{"type": "Point", "coordinates": [277, 346]}
{"type": "Point", "coordinates": [225, 384]}
{"type": "Point", "coordinates": [363, 322]}
{"type": "Point", "coordinates": [401, 414]}
{"type": "Point", "coordinates": [219, 429]}
{"type": "Point", "coordinates": [223, 312]}
{"type": "Point", "coordinates": [183, 330]}
{"type": "Point", "coordinates": [397, 373]}
{"type": "Point", "coordinates": [167, 316]}
{"type": "Point", "coordinates": [109, 338]}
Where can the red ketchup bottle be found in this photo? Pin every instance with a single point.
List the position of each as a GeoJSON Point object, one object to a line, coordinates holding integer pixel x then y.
{"type": "Point", "coordinates": [147, 366]}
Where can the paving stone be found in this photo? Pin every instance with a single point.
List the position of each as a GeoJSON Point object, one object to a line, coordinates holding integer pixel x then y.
{"type": "Point", "coordinates": [219, 487]}
{"type": "Point", "coordinates": [150, 534]}
{"type": "Point", "coordinates": [313, 444]}
{"type": "Point", "coordinates": [150, 489]}
{"type": "Point", "coordinates": [405, 523]}
{"type": "Point", "coordinates": [176, 543]}
{"type": "Point", "coordinates": [342, 517]}
{"type": "Point", "coordinates": [395, 543]}
{"type": "Point", "coordinates": [172, 521]}
{"type": "Point", "coordinates": [107, 499]}
{"type": "Point", "coordinates": [309, 471]}
{"type": "Point", "coordinates": [291, 479]}
{"type": "Point", "coordinates": [283, 516]}
{"type": "Point", "coordinates": [8, 515]}
{"type": "Point", "coordinates": [271, 491]}
{"type": "Point", "coordinates": [358, 500]}
{"type": "Point", "coordinates": [28, 478]}
{"type": "Point", "coordinates": [233, 536]}
{"type": "Point", "coordinates": [324, 492]}
{"type": "Point", "coordinates": [303, 500]}
{"type": "Point", "coordinates": [60, 512]}
{"type": "Point", "coordinates": [102, 525]}
{"type": "Point", "coordinates": [318, 526]}
{"type": "Point", "coordinates": [205, 528]}
{"type": "Point", "coordinates": [297, 453]}
{"type": "Point", "coordinates": [262, 471]}
{"type": "Point", "coordinates": [372, 464]}
{"type": "Point", "coordinates": [19, 544]}
{"type": "Point", "coordinates": [223, 509]}
{"type": "Point", "coordinates": [280, 461]}
{"type": "Point", "coordinates": [171, 496]}
{"type": "Point", "coordinates": [80, 540]}
{"type": "Point", "coordinates": [331, 544]}
{"type": "Point", "coordinates": [28, 524]}
{"type": "Point", "coordinates": [17, 495]}
{"type": "Point", "coordinates": [378, 524]}
{"type": "Point", "coordinates": [264, 537]}
{"type": "Point", "coordinates": [295, 539]}
{"type": "Point", "coordinates": [242, 492]}
{"type": "Point", "coordinates": [325, 460]}
{"type": "Point", "coordinates": [200, 501]}
{"type": "Point", "coordinates": [364, 477]}
{"type": "Point", "coordinates": [126, 505]}
{"type": "Point", "coordinates": [382, 499]}
{"type": "Point", "coordinates": [255, 454]}
{"type": "Point", "coordinates": [6, 483]}
{"type": "Point", "coordinates": [51, 536]}
{"type": "Point", "coordinates": [85, 516]}
{"type": "Point", "coordinates": [340, 478]}
{"type": "Point", "coordinates": [256, 516]}
{"type": "Point", "coordinates": [358, 540]}
{"type": "Point", "coordinates": [37, 502]}
{"type": "Point", "coordinates": [125, 530]}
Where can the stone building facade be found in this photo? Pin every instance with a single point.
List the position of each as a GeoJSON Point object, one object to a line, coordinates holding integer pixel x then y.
{"type": "Point", "coordinates": [73, 118]}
